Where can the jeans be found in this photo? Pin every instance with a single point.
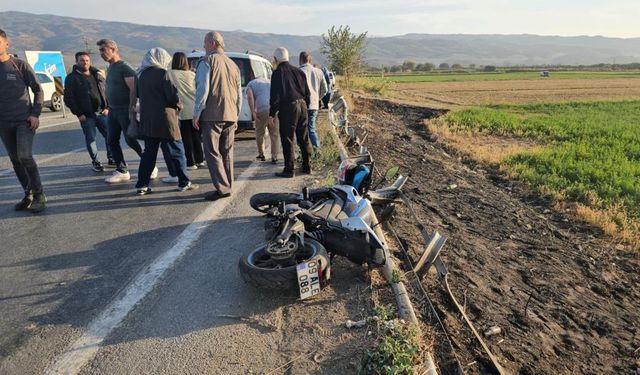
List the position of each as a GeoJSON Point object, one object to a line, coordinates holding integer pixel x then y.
{"type": "Point", "coordinates": [313, 135]}
{"type": "Point", "coordinates": [17, 138]}
{"type": "Point", "coordinates": [118, 119]}
{"type": "Point", "coordinates": [90, 127]}
{"type": "Point", "coordinates": [174, 156]}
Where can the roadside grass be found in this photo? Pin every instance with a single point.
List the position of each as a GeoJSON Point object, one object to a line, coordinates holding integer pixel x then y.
{"type": "Point", "coordinates": [398, 347]}
{"type": "Point", "coordinates": [587, 153]}
{"type": "Point", "coordinates": [325, 160]}
{"type": "Point", "coordinates": [371, 85]}
{"type": "Point", "coordinates": [494, 76]}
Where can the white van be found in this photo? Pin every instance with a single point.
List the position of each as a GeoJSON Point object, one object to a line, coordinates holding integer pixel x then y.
{"type": "Point", "coordinates": [251, 66]}
{"type": "Point", "coordinates": [52, 99]}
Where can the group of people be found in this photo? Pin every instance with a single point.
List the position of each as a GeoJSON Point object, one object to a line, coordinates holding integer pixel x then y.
{"type": "Point", "coordinates": [191, 117]}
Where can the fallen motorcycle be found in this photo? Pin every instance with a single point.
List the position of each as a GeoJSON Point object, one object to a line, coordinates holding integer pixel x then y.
{"type": "Point", "coordinates": [305, 231]}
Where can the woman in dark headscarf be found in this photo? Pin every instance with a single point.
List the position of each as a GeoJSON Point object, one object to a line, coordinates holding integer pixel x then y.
{"type": "Point", "coordinates": [159, 107]}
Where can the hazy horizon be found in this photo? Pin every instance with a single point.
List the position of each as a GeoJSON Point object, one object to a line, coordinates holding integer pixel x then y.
{"type": "Point", "coordinates": [569, 18]}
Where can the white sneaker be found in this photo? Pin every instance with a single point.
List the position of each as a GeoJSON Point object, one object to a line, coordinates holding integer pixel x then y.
{"type": "Point", "coordinates": [154, 173]}
{"type": "Point", "coordinates": [169, 179]}
{"type": "Point", "coordinates": [118, 177]}
{"type": "Point", "coordinates": [189, 186]}
{"type": "Point", "coordinates": [192, 167]}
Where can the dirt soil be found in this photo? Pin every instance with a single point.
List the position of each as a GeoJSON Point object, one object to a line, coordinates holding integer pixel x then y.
{"type": "Point", "coordinates": [566, 298]}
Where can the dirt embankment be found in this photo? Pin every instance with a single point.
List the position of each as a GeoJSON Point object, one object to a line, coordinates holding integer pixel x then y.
{"type": "Point", "coordinates": [566, 298]}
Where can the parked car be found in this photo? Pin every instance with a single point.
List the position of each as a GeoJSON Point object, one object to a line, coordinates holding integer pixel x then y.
{"type": "Point", "coordinates": [52, 99]}
{"type": "Point", "coordinates": [251, 66]}
{"type": "Point", "coordinates": [332, 79]}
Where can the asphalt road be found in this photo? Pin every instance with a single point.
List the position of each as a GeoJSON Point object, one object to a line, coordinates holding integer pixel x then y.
{"type": "Point", "coordinates": [84, 269]}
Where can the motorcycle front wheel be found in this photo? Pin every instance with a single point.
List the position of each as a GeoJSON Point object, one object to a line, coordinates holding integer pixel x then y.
{"type": "Point", "coordinates": [261, 271]}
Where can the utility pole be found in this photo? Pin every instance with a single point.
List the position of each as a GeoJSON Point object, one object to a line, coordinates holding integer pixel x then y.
{"type": "Point", "coordinates": [86, 45]}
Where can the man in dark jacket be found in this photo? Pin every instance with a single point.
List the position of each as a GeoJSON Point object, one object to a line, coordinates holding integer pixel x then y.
{"type": "Point", "coordinates": [290, 100]}
{"type": "Point", "coordinates": [84, 94]}
{"type": "Point", "coordinates": [19, 119]}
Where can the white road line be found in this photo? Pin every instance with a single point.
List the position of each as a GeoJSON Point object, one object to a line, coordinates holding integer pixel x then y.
{"type": "Point", "coordinates": [85, 348]}
{"type": "Point", "coordinates": [45, 160]}
{"type": "Point", "coordinates": [58, 124]}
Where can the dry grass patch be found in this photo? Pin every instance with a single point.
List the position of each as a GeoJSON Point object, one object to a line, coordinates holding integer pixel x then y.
{"type": "Point", "coordinates": [488, 149]}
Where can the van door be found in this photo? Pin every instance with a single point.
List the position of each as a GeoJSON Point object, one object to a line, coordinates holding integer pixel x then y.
{"type": "Point", "coordinates": [246, 75]}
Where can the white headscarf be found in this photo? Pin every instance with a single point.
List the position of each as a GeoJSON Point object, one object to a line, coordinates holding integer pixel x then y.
{"type": "Point", "coordinates": [155, 57]}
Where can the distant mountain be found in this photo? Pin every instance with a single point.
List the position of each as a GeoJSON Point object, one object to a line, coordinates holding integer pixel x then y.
{"type": "Point", "coordinates": [46, 32]}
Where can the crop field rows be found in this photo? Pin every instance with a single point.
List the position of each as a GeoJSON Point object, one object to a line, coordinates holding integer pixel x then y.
{"type": "Point", "coordinates": [454, 94]}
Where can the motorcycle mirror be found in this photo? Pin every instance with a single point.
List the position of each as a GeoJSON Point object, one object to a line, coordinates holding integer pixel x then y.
{"type": "Point", "coordinates": [391, 173]}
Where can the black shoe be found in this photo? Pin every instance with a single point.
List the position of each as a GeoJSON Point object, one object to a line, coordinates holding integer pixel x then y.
{"type": "Point", "coordinates": [25, 203]}
{"type": "Point", "coordinates": [285, 173]}
{"type": "Point", "coordinates": [305, 170]}
{"type": "Point", "coordinates": [274, 161]}
{"type": "Point", "coordinates": [112, 164]}
{"type": "Point", "coordinates": [215, 195]}
{"type": "Point", "coordinates": [97, 166]}
{"type": "Point", "coordinates": [39, 203]}
{"type": "Point", "coordinates": [143, 190]}
{"type": "Point", "coordinates": [261, 157]}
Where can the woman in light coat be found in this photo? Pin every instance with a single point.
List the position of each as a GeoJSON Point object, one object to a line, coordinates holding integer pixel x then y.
{"type": "Point", "coordinates": [185, 81]}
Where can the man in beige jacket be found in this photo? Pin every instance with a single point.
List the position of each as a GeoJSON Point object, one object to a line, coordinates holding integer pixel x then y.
{"type": "Point", "coordinates": [217, 106]}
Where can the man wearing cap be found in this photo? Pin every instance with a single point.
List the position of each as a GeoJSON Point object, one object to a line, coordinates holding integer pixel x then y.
{"type": "Point", "coordinates": [121, 96]}
{"type": "Point", "coordinates": [289, 99]}
{"type": "Point", "coordinates": [317, 90]}
{"type": "Point", "coordinates": [217, 106]}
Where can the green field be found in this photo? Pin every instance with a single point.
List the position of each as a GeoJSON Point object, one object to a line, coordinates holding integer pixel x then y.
{"type": "Point", "coordinates": [498, 76]}
{"type": "Point", "coordinates": [591, 150]}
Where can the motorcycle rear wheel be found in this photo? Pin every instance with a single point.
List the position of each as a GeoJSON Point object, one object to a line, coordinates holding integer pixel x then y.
{"type": "Point", "coordinates": [259, 270]}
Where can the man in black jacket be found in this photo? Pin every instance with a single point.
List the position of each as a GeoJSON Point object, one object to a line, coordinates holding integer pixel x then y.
{"type": "Point", "coordinates": [19, 119]}
{"type": "Point", "coordinates": [290, 100]}
{"type": "Point", "coordinates": [84, 90]}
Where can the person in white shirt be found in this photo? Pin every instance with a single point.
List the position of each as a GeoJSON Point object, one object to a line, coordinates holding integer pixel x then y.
{"type": "Point", "coordinates": [317, 88]}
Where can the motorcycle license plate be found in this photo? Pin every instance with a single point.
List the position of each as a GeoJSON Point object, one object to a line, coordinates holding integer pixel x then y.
{"type": "Point", "coordinates": [308, 278]}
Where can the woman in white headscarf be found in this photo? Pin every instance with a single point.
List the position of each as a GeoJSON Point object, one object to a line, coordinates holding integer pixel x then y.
{"type": "Point", "coordinates": [159, 107]}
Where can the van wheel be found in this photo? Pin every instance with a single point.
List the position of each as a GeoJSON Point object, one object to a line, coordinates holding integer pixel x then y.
{"type": "Point", "coordinates": [56, 102]}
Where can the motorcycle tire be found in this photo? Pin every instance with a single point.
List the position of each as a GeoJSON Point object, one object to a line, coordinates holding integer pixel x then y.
{"type": "Point", "coordinates": [278, 277]}
{"type": "Point", "coordinates": [263, 202]}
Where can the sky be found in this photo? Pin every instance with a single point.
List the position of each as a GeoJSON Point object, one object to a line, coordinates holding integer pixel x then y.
{"type": "Point", "coordinates": [613, 18]}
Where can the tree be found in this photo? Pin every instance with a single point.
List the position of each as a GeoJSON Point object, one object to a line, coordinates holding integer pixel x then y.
{"type": "Point", "coordinates": [408, 66]}
{"type": "Point", "coordinates": [344, 51]}
{"type": "Point", "coordinates": [395, 68]}
{"type": "Point", "coordinates": [427, 67]}
{"type": "Point", "coordinates": [456, 66]}
{"type": "Point", "coordinates": [489, 68]}
{"type": "Point", "coordinates": [444, 66]}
